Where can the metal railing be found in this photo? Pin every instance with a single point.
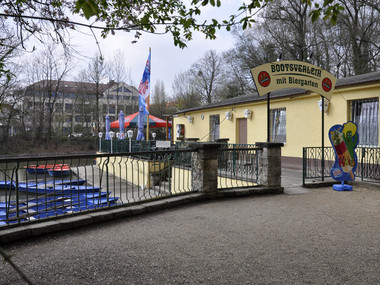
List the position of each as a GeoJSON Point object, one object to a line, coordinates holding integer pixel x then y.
{"type": "Point", "coordinates": [237, 166]}
{"type": "Point", "coordinates": [49, 187]}
{"type": "Point", "coordinates": [35, 188]}
{"type": "Point", "coordinates": [368, 163]}
{"type": "Point", "coordinates": [121, 146]}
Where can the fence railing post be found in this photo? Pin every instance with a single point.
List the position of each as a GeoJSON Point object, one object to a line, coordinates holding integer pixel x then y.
{"type": "Point", "coordinates": [204, 163]}
{"type": "Point", "coordinates": [269, 160]}
{"type": "Point", "coordinates": [304, 165]}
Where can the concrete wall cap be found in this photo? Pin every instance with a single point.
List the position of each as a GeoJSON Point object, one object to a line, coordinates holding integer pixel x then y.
{"type": "Point", "coordinates": [269, 144]}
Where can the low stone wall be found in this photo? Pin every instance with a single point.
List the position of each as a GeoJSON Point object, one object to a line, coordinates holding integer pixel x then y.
{"type": "Point", "coordinates": [203, 174]}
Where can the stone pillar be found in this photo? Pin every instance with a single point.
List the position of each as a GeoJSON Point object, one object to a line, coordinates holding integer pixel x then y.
{"type": "Point", "coordinates": [269, 164]}
{"type": "Point", "coordinates": [204, 163]}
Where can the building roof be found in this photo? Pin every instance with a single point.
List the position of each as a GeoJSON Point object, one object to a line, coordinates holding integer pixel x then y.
{"type": "Point", "coordinates": [344, 82]}
{"type": "Point", "coordinates": [74, 86]}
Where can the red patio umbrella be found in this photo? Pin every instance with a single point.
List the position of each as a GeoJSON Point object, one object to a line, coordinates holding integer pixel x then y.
{"type": "Point", "coordinates": [132, 121]}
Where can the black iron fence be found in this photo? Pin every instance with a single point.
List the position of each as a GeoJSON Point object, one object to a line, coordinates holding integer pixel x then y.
{"type": "Point", "coordinates": [35, 188]}
{"type": "Point", "coordinates": [237, 165]}
{"type": "Point", "coordinates": [317, 167]}
{"type": "Point", "coordinates": [50, 187]}
{"type": "Point", "coordinates": [121, 146]}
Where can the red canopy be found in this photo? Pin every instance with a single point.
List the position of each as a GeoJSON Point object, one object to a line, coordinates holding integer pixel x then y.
{"type": "Point", "coordinates": [132, 122]}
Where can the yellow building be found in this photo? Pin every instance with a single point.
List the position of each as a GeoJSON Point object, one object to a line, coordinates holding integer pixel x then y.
{"type": "Point", "coordinates": [295, 117]}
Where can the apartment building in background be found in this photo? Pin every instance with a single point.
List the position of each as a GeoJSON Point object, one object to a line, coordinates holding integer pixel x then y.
{"type": "Point", "coordinates": [70, 106]}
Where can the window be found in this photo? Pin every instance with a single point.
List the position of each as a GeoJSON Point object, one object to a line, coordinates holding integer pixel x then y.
{"type": "Point", "coordinates": [278, 125]}
{"type": "Point", "coordinates": [214, 127]}
{"type": "Point", "coordinates": [59, 107]}
{"type": "Point", "coordinates": [68, 107]}
{"type": "Point", "coordinates": [78, 108]}
{"type": "Point", "coordinates": [365, 114]}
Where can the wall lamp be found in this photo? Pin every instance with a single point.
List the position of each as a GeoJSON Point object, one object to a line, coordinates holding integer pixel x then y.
{"type": "Point", "coordinates": [190, 119]}
{"type": "Point", "coordinates": [247, 113]}
{"type": "Point", "coordinates": [229, 116]}
{"type": "Point", "coordinates": [326, 105]}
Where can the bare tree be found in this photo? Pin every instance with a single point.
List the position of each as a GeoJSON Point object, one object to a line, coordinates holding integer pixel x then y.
{"type": "Point", "coordinates": [47, 70]}
{"type": "Point", "coordinates": [159, 104]}
{"type": "Point", "coordinates": [238, 61]}
{"type": "Point", "coordinates": [119, 73]}
{"type": "Point", "coordinates": [11, 95]}
{"type": "Point", "coordinates": [287, 26]}
{"type": "Point", "coordinates": [185, 95]}
{"type": "Point", "coordinates": [359, 25]}
{"type": "Point", "coordinates": [96, 72]}
{"type": "Point", "coordinates": [207, 76]}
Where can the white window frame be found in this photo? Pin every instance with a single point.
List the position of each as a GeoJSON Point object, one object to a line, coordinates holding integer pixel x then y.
{"type": "Point", "coordinates": [365, 114]}
{"type": "Point", "coordinates": [214, 127]}
{"type": "Point", "coordinates": [278, 125]}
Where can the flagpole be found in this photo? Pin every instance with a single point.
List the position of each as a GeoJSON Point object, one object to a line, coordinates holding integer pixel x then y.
{"type": "Point", "coordinates": [147, 103]}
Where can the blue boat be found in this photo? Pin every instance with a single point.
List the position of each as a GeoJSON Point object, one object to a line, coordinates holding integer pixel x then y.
{"type": "Point", "coordinates": [7, 184]}
{"type": "Point", "coordinates": [52, 199]}
{"type": "Point", "coordinates": [41, 169]}
{"type": "Point", "coordinates": [59, 189]}
{"type": "Point", "coordinates": [53, 206]}
{"type": "Point", "coordinates": [10, 184]}
{"type": "Point", "coordinates": [51, 183]}
{"type": "Point", "coordinates": [59, 171]}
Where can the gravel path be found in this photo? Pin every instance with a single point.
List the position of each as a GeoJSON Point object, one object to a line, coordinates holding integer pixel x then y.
{"type": "Point", "coordinates": [318, 237]}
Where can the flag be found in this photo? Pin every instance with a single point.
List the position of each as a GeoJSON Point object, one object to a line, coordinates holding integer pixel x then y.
{"type": "Point", "coordinates": [140, 126]}
{"type": "Point", "coordinates": [144, 88]}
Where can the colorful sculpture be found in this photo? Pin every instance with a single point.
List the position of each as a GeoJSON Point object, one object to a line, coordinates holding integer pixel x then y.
{"type": "Point", "coordinates": [344, 139]}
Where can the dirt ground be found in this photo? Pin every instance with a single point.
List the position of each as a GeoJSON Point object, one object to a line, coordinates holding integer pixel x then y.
{"type": "Point", "coordinates": [318, 236]}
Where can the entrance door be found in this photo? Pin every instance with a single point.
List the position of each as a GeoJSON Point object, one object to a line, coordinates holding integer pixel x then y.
{"type": "Point", "coordinates": [243, 131]}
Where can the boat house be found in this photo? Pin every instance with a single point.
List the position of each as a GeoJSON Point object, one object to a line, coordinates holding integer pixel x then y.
{"type": "Point", "coordinates": [296, 117]}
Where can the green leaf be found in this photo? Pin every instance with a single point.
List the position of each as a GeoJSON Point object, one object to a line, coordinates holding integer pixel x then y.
{"type": "Point", "coordinates": [315, 15]}
{"type": "Point", "coordinates": [89, 8]}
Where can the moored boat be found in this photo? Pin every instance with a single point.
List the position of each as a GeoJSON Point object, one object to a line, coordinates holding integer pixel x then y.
{"type": "Point", "coordinates": [59, 171]}
{"type": "Point", "coordinates": [60, 182]}
{"type": "Point", "coordinates": [43, 168]}
{"type": "Point", "coordinates": [53, 206]}
{"type": "Point", "coordinates": [59, 189]}
{"type": "Point", "coordinates": [9, 184]}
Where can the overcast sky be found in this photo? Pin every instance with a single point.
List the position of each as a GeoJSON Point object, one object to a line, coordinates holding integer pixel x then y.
{"type": "Point", "coordinates": [167, 59]}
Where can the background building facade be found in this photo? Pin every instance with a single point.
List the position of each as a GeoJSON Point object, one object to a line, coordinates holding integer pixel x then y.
{"type": "Point", "coordinates": [76, 107]}
{"type": "Point", "coordinates": [295, 116]}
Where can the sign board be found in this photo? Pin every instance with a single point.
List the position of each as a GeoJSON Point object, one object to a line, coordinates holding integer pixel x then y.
{"type": "Point", "coordinates": [293, 74]}
{"type": "Point", "coordinates": [344, 139]}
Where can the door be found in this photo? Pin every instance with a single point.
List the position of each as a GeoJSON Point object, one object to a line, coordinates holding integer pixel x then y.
{"type": "Point", "coordinates": [243, 131]}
